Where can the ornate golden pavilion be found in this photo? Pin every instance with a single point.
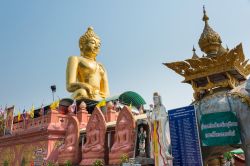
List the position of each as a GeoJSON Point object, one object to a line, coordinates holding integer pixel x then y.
{"type": "Point", "coordinates": [219, 68]}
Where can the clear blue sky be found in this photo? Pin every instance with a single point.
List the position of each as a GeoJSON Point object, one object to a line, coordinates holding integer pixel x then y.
{"type": "Point", "coordinates": [37, 37]}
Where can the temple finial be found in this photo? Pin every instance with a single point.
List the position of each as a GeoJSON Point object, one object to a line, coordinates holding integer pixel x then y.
{"type": "Point", "coordinates": [210, 40]}
{"type": "Point", "coordinates": [195, 56]}
{"type": "Point", "coordinates": [193, 49]}
{"type": "Point", "coordinates": [205, 17]}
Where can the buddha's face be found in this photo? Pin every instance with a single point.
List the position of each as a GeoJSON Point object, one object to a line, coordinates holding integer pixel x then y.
{"type": "Point", "coordinates": [122, 126]}
{"type": "Point", "coordinates": [92, 126]}
{"type": "Point", "coordinates": [94, 122]}
{"type": "Point", "coordinates": [92, 46]}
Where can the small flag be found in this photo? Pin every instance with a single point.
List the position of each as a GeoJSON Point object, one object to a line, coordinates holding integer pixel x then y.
{"type": "Point", "coordinates": [24, 114]}
{"type": "Point", "coordinates": [18, 116]}
{"type": "Point", "coordinates": [1, 111]}
{"type": "Point", "coordinates": [54, 105]}
{"type": "Point", "coordinates": [42, 111]}
{"type": "Point", "coordinates": [9, 119]}
{"type": "Point", "coordinates": [74, 106]}
{"type": "Point", "coordinates": [5, 112]}
{"type": "Point", "coordinates": [32, 111]}
{"type": "Point", "coordinates": [101, 103]}
{"type": "Point", "coordinates": [130, 106]}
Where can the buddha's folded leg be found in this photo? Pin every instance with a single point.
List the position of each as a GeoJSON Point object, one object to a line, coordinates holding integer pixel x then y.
{"type": "Point", "coordinates": [80, 93]}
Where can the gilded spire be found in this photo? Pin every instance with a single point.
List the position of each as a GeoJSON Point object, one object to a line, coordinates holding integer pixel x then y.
{"type": "Point", "coordinates": [205, 17]}
{"type": "Point", "coordinates": [210, 40]}
{"type": "Point", "coordinates": [195, 56]}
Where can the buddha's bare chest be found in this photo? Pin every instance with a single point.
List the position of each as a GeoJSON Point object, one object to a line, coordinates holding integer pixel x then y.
{"type": "Point", "coordinates": [88, 67]}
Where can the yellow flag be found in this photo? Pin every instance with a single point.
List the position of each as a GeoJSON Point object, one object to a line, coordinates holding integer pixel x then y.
{"type": "Point", "coordinates": [32, 111]}
{"type": "Point", "coordinates": [18, 116]}
{"type": "Point", "coordinates": [101, 103]}
{"type": "Point", "coordinates": [130, 106]}
{"type": "Point", "coordinates": [54, 105]}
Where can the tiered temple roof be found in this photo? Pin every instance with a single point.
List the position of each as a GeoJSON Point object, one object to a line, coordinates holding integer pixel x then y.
{"type": "Point", "coordinates": [219, 67]}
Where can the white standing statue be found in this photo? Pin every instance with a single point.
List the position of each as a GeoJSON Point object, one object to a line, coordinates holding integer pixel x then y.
{"type": "Point", "coordinates": [160, 136]}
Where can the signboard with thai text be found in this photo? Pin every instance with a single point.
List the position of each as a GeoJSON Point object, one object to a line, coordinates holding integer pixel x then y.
{"type": "Point", "coordinates": [184, 137]}
{"type": "Point", "coordinates": [220, 128]}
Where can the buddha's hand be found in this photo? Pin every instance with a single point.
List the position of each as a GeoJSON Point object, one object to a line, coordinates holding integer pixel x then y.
{"type": "Point", "coordinates": [81, 85]}
{"type": "Point", "coordinates": [61, 147]}
{"type": "Point", "coordinates": [90, 90]}
{"type": "Point", "coordinates": [87, 87]}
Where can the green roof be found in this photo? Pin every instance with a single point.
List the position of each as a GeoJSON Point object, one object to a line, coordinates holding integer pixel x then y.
{"type": "Point", "coordinates": [132, 98]}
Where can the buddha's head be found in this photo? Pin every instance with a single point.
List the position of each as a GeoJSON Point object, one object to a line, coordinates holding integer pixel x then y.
{"type": "Point", "coordinates": [89, 44]}
{"type": "Point", "coordinates": [94, 122]}
{"type": "Point", "coordinates": [122, 123]}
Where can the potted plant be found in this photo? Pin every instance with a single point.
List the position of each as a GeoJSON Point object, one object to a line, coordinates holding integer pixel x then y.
{"type": "Point", "coordinates": [50, 164]}
{"type": "Point", "coordinates": [5, 163]}
{"type": "Point", "coordinates": [98, 163]}
{"type": "Point", "coordinates": [124, 159]}
{"type": "Point", "coordinates": [68, 163]}
{"type": "Point", "coordinates": [23, 162]}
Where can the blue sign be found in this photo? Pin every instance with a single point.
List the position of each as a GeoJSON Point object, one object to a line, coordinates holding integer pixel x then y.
{"type": "Point", "coordinates": [184, 137]}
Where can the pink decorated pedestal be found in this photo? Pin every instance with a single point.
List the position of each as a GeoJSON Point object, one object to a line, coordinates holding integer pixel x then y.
{"type": "Point", "coordinates": [94, 148]}
{"type": "Point", "coordinates": [124, 137]}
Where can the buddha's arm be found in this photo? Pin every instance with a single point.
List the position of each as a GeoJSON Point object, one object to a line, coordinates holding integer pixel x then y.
{"type": "Point", "coordinates": [104, 85]}
{"type": "Point", "coordinates": [97, 140]}
{"type": "Point", "coordinates": [71, 73]}
{"type": "Point", "coordinates": [127, 137]}
{"type": "Point", "coordinates": [116, 142]}
{"type": "Point", "coordinates": [72, 141]}
{"type": "Point", "coordinates": [71, 76]}
{"type": "Point", "coordinates": [88, 140]}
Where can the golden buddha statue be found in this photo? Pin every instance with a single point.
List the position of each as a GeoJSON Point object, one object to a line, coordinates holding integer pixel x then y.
{"type": "Point", "coordinates": [85, 77]}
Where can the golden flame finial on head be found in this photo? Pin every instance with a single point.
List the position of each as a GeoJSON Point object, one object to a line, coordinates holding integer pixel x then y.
{"type": "Point", "coordinates": [88, 34]}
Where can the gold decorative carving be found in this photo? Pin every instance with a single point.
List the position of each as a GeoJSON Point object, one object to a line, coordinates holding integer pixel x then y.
{"type": "Point", "coordinates": [220, 68]}
{"type": "Point", "coordinates": [202, 67]}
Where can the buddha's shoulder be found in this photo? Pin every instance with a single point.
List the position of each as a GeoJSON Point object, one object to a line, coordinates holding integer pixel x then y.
{"type": "Point", "coordinates": [102, 68]}
{"type": "Point", "coordinates": [74, 57]}
{"type": "Point", "coordinates": [78, 59]}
